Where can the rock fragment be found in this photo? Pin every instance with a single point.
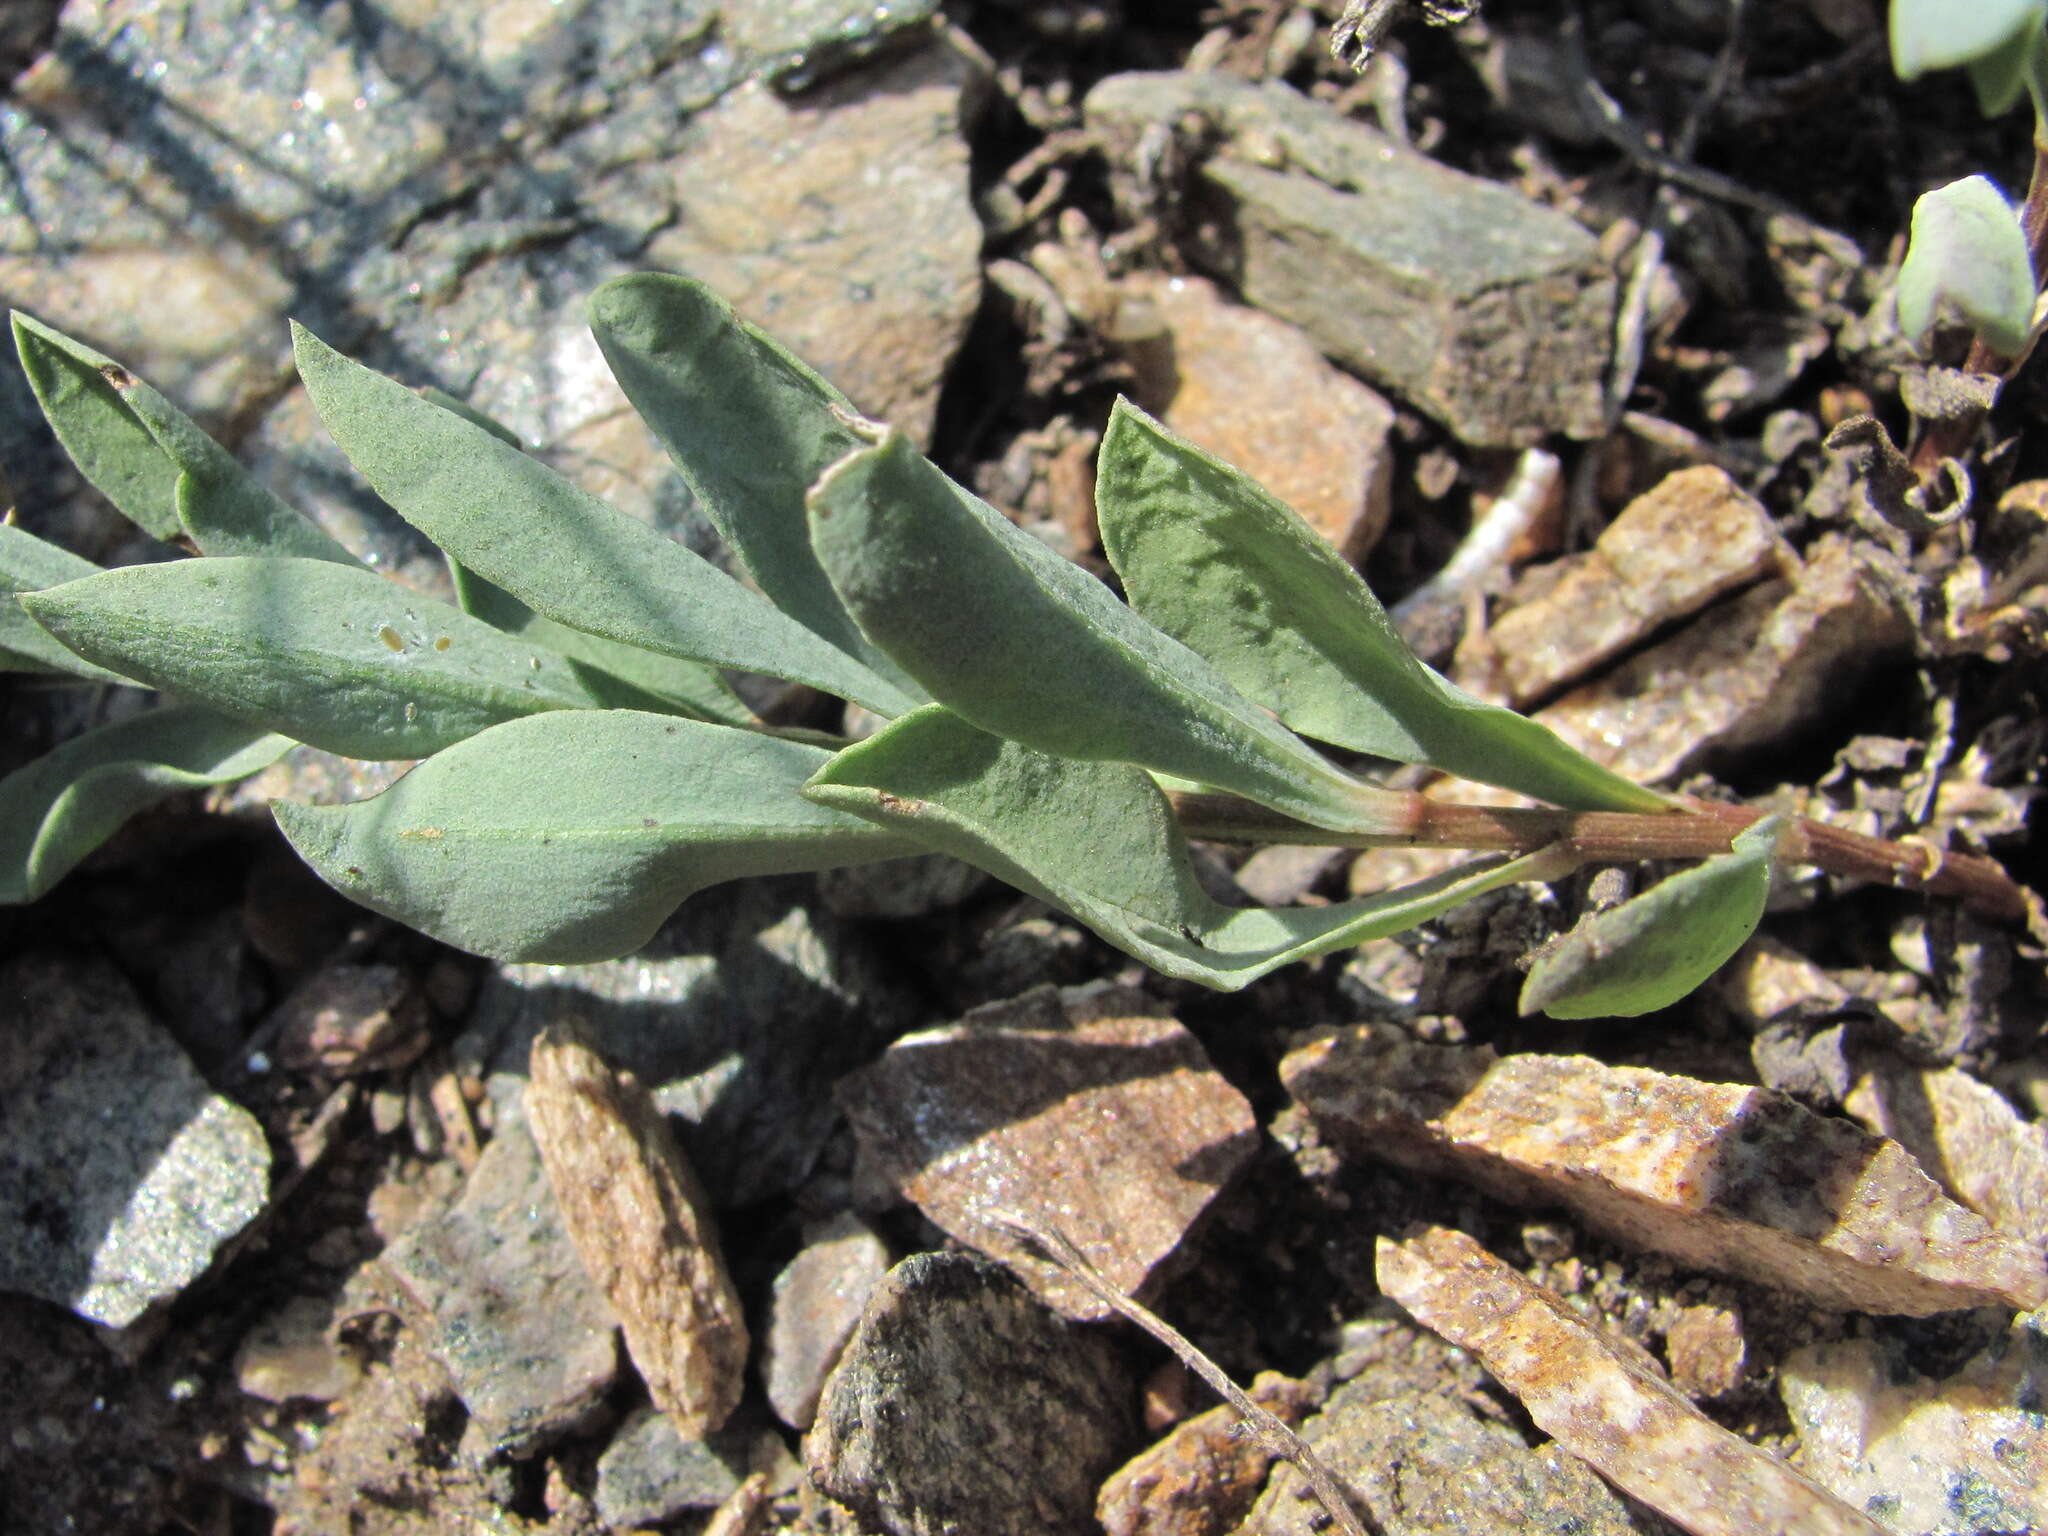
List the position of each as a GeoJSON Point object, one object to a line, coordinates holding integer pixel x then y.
{"type": "Point", "coordinates": [121, 1173]}
{"type": "Point", "coordinates": [1200, 1479]}
{"type": "Point", "coordinates": [1965, 1455]}
{"type": "Point", "coordinates": [1721, 1176]}
{"type": "Point", "coordinates": [292, 1354]}
{"type": "Point", "coordinates": [1968, 1136]}
{"type": "Point", "coordinates": [351, 1019]}
{"type": "Point", "coordinates": [649, 1474]}
{"type": "Point", "coordinates": [1424, 1463]}
{"type": "Point", "coordinates": [1598, 1402]}
{"type": "Point", "coordinates": [642, 1223]}
{"type": "Point", "coordinates": [1085, 1116]}
{"type": "Point", "coordinates": [1463, 297]}
{"type": "Point", "coordinates": [1706, 1351]}
{"type": "Point", "coordinates": [813, 1309]}
{"type": "Point", "coordinates": [1747, 674]}
{"type": "Point", "coordinates": [1694, 537]}
{"type": "Point", "coordinates": [1254, 391]}
{"type": "Point", "coordinates": [962, 1404]}
{"type": "Point", "coordinates": [524, 1334]}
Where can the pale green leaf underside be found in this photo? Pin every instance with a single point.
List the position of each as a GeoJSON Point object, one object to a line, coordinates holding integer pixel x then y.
{"type": "Point", "coordinates": [1098, 840]}
{"type": "Point", "coordinates": [332, 655]}
{"type": "Point", "coordinates": [623, 676]}
{"type": "Point", "coordinates": [1028, 646]}
{"type": "Point", "coordinates": [568, 838]}
{"type": "Point", "coordinates": [1227, 569]}
{"type": "Point", "coordinates": [564, 553]}
{"type": "Point", "coordinates": [1968, 258]}
{"type": "Point", "coordinates": [151, 460]}
{"type": "Point", "coordinates": [28, 564]}
{"type": "Point", "coordinates": [1942, 34]}
{"type": "Point", "coordinates": [67, 802]}
{"type": "Point", "coordinates": [1653, 949]}
{"type": "Point", "coordinates": [749, 426]}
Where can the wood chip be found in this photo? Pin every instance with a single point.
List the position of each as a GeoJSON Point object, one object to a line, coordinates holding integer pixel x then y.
{"type": "Point", "coordinates": [1720, 1175]}
{"type": "Point", "coordinates": [643, 1227]}
{"type": "Point", "coordinates": [1635, 1429]}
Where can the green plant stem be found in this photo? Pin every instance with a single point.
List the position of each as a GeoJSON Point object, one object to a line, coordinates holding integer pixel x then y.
{"type": "Point", "coordinates": [1699, 829]}
{"type": "Point", "coordinates": [1950, 437]}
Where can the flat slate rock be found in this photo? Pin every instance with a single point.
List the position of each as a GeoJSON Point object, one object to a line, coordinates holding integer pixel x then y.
{"type": "Point", "coordinates": [963, 1405]}
{"type": "Point", "coordinates": [524, 1332]}
{"type": "Point", "coordinates": [1082, 1112]}
{"type": "Point", "coordinates": [121, 1172]}
{"type": "Point", "coordinates": [739, 1017]}
{"type": "Point", "coordinates": [813, 1309]}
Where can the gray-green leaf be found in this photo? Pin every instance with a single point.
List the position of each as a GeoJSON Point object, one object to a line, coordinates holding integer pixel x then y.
{"type": "Point", "coordinates": [1968, 259]}
{"type": "Point", "coordinates": [332, 655]}
{"type": "Point", "coordinates": [563, 552]}
{"type": "Point", "coordinates": [151, 460]}
{"type": "Point", "coordinates": [28, 564]}
{"type": "Point", "coordinates": [1099, 841]}
{"type": "Point", "coordinates": [750, 427]}
{"type": "Point", "coordinates": [1027, 646]}
{"type": "Point", "coordinates": [67, 802]}
{"type": "Point", "coordinates": [1942, 34]}
{"type": "Point", "coordinates": [1227, 569]}
{"type": "Point", "coordinates": [570, 837]}
{"type": "Point", "coordinates": [1653, 949]}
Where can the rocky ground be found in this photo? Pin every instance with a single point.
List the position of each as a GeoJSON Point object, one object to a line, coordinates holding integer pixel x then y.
{"type": "Point", "coordinates": [312, 1225]}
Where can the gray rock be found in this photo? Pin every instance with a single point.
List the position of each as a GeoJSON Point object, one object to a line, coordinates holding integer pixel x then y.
{"type": "Point", "coordinates": [121, 1173]}
{"type": "Point", "coordinates": [815, 1306]}
{"type": "Point", "coordinates": [526, 1337]}
{"type": "Point", "coordinates": [1482, 308]}
{"type": "Point", "coordinates": [914, 887]}
{"type": "Point", "coordinates": [962, 1404]}
{"type": "Point", "coordinates": [649, 1473]}
{"type": "Point", "coordinates": [740, 1016]}
{"type": "Point", "coordinates": [1425, 1464]}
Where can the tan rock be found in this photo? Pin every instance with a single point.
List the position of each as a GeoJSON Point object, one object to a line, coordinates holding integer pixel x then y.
{"type": "Point", "coordinates": [1256, 392]}
{"type": "Point", "coordinates": [1968, 1136]}
{"type": "Point", "coordinates": [1740, 677]}
{"type": "Point", "coordinates": [1083, 1116]}
{"type": "Point", "coordinates": [643, 1227]}
{"type": "Point", "coordinates": [1721, 1176]}
{"type": "Point", "coordinates": [1200, 1479]}
{"type": "Point", "coordinates": [1694, 537]}
{"type": "Point", "coordinates": [814, 1308]}
{"type": "Point", "coordinates": [1964, 1454]}
{"type": "Point", "coordinates": [1707, 1352]}
{"type": "Point", "coordinates": [1599, 1404]}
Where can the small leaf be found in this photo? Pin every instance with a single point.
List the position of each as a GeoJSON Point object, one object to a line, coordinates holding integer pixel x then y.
{"type": "Point", "coordinates": [749, 426]}
{"type": "Point", "coordinates": [67, 802]}
{"type": "Point", "coordinates": [622, 676]}
{"type": "Point", "coordinates": [1653, 949]}
{"type": "Point", "coordinates": [1025, 645]}
{"type": "Point", "coordinates": [151, 460]}
{"type": "Point", "coordinates": [333, 655]}
{"type": "Point", "coordinates": [1968, 259]}
{"type": "Point", "coordinates": [558, 549]}
{"type": "Point", "coordinates": [1943, 34]}
{"type": "Point", "coordinates": [568, 838]}
{"type": "Point", "coordinates": [1232, 572]}
{"type": "Point", "coordinates": [28, 564]}
{"type": "Point", "coordinates": [1098, 840]}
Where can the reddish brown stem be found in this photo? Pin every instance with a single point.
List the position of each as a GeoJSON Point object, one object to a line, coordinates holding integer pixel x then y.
{"type": "Point", "coordinates": [1698, 830]}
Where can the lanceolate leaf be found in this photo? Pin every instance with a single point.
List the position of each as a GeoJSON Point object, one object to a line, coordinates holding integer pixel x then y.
{"type": "Point", "coordinates": [558, 549]}
{"type": "Point", "coordinates": [623, 676]}
{"type": "Point", "coordinates": [332, 655]}
{"type": "Point", "coordinates": [749, 426]}
{"type": "Point", "coordinates": [151, 461]}
{"type": "Point", "coordinates": [1027, 646]}
{"type": "Point", "coordinates": [28, 564]}
{"type": "Point", "coordinates": [1230, 571]}
{"type": "Point", "coordinates": [67, 802]}
{"type": "Point", "coordinates": [1653, 949]}
{"type": "Point", "coordinates": [570, 837]}
{"type": "Point", "coordinates": [1099, 841]}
